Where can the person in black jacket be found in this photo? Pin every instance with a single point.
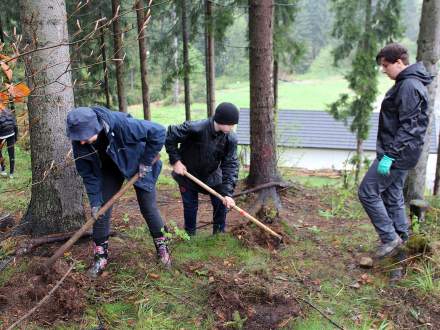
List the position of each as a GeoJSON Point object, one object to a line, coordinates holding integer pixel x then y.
{"type": "Point", "coordinates": [403, 121]}
{"type": "Point", "coordinates": [110, 147]}
{"type": "Point", "coordinates": [8, 137]}
{"type": "Point", "coordinates": [206, 149]}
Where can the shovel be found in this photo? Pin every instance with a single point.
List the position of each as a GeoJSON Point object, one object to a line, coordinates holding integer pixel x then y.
{"type": "Point", "coordinates": [235, 207]}
{"type": "Point", "coordinates": [60, 252]}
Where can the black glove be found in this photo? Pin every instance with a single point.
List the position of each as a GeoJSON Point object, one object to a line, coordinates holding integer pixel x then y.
{"type": "Point", "coordinates": [94, 212]}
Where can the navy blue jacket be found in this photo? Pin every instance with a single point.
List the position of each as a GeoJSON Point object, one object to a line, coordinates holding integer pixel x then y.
{"type": "Point", "coordinates": [403, 118]}
{"type": "Point", "coordinates": [131, 142]}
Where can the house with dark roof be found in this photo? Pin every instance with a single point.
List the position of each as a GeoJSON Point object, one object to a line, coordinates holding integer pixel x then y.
{"type": "Point", "coordinates": [315, 140]}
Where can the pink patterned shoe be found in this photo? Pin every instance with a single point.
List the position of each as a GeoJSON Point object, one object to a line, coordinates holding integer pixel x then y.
{"type": "Point", "coordinates": [163, 254]}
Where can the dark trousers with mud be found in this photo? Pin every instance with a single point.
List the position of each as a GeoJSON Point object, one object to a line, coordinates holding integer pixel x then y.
{"type": "Point", "coordinates": [112, 180]}
{"type": "Point", "coordinates": [382, 198]}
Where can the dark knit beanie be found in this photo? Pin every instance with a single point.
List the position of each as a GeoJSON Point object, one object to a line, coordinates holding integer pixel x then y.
{"type": "Point", "coordinates": [226, 114]}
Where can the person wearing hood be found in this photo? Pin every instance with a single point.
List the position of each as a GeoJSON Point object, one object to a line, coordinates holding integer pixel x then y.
{"type": "Point", "coordinates": [206, 149]}
{"type": "Point", "coordinates": [403, 121]}
{"type": "Point", "coordinates": [108, 148]}
{"type": "Point", "coordinates": [8, 137]}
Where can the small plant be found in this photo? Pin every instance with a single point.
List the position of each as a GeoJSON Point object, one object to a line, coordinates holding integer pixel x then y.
{"type": "Point", "coordinates": [415, 225]}
{"type": "Point", "coordinates": [126, 218]}
{"type": "Point", "coordinates": [425, 279]}
{"type": "Point", "coordinates": [237, 322]}
{"type": "Point", "coordinates": [175, 233]}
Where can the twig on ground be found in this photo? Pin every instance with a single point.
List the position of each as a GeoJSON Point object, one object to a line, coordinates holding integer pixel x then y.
{"type": "Point", "coordinates": [319, 311]}
{"type": "Point", "coordinates": [42, 301]}
{"type": "Point", "coordinates": [263, 186]}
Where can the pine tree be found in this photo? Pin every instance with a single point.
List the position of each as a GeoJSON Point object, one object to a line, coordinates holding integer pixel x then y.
{"type": "Point", "coordinates": [362, 28]}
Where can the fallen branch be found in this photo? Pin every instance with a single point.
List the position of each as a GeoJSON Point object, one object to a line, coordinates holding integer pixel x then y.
{"type": "Point", "coordinates": [42, 301]}
{"type": "Point", "coordinates": [319, 311]}
{"type": "Point", "coordinates": [31, 244]}
{"type": "Point", "coordinates": [263, 186]}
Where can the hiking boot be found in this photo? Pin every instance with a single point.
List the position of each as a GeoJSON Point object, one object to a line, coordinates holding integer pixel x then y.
{"type": "Point", "coordinates": [387, 249]}
{"type": "Point", "coordinates": [163, 254]}
{"type": "Point", "coordinates": [100, 260]}
{"type": "Point", "coordinates": [396, 275]}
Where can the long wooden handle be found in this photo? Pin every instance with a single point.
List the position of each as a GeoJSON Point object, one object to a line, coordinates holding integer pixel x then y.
{"type": "Point", "coordinates": [60, 252]}
{"type": "Point", "coordinates": [235, 207]}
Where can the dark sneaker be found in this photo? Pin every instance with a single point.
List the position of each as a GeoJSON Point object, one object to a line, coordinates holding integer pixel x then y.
{"type": "Point", "coordinates": [163, 254]}
{"type": "Point", "coordinates": [387, 249]}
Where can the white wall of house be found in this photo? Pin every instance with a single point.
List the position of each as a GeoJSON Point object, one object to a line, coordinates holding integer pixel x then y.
{"type": "Point", "coordinates": [318, 159]}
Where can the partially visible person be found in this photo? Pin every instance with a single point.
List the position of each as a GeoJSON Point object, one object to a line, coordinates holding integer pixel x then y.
{"type": "Point", "coordinates": [8, 137]}
{"type": "Point", "coordinates": [109, 147]}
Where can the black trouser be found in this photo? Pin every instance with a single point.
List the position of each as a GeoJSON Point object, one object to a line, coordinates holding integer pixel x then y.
{"type": "Point", "coordinates": [10, 142]}
{"type": "Point", "coordinates": [112, 180]}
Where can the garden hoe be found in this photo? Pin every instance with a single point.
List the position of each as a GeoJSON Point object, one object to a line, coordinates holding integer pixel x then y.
{"type": "Point", "coordinates": [242, 212]}
{"type": "Point", "coordinates": [60, 252]}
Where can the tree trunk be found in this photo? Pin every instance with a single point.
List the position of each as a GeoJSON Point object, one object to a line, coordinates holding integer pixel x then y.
{"type": "Point", "coordinates": [359, 156]}
{"type": "Point", "coordinates": [56, 200]}
{"type": "Point", "coordinates": [263, 159]}
{"type": "Point", "coordinates": [186, 68]}
{"type": "Point", "coordinates": [119, 56]}
{"type": "Point", "coordinates": [428, 51]}
{"type": "Point", "coordinates": [2, 39]}
{"type": "Point", "coordinates": [209, 56]}
{"type": "Point", "coordinates": [143, 58]}
{"type": "Point", "coordinates": [104, 66]}
{"type": "Point", "coordinates": [176, 86]}
{"type": "Point", "coordinates": [275, 84]}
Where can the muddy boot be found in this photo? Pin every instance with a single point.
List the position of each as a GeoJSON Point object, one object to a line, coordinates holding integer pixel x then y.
{"type": "Point", "coordinates": [163, 254]}
{"type": "Point", "coordinates": [388, 249]}
{"type": "Point", "coordinates": [100, 260]}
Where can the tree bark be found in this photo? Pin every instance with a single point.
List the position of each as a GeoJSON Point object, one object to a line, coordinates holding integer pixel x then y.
{"type": "Point", "coordinates": [176, 86]}
{"type": "Point", "coordinates": [263, 158]}
{"type": "Point", "coordinates": [56, 200]}
{"type": "Point", "coordinates": [119, 56]}
{"type": "Point", "coordinates": [2, 39]}
{"type": "Point", "coordinates": [186, 68]}
{"type": "Point", "coordinates": [209, 56]}
{"type": "Point", "coordinates": [360, 155]}
{"type": "Point", "coordinates": [143, 58]}
{"type": "Point", "coordinates": [428, 51]}
{"type": "Point", "coordinates": [104, 66]}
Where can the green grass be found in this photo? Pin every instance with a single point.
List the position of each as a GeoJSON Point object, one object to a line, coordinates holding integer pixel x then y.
{"type": "Point", "coordinates": [15, 193]}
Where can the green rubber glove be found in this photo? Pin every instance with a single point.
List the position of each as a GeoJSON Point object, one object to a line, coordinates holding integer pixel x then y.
{"type": "Point", "coordinates": [384, 165]}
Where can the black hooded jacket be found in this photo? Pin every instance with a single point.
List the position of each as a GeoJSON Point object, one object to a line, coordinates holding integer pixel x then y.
{"type": "Point", "coordinates": [8, 124]}
{"type": "Point", "coordinates": [209, 155]}
{"type": "Point", "coordinates": [403, 118]}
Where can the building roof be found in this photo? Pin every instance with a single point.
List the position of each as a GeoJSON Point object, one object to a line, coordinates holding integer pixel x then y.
{"type": "Point", "coordinates": [316, 129]}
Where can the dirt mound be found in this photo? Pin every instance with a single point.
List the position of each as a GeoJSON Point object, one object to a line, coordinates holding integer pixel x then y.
{"type": "Point", "coordinates": [251, 235]}
{"type": "Point", "coordinates": [29, 287]}
{"type": "Point", "coordinates": [244, 302]}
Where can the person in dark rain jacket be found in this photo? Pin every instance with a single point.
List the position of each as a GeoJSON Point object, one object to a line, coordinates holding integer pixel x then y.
{"type": "Point", "coordinates": [403, 121]}
{"type": "Point", "coordinates": [208, 150]}
{"type": "Point", "coordinates": [8, 137]}
{"type": "Point", "coordinates": [108, 148]}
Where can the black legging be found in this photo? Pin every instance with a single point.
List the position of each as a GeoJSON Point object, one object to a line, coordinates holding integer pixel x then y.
{"type": "Point", "coordinates": [10, 142]}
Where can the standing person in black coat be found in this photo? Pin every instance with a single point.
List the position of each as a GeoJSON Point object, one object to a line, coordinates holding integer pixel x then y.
{"type": "Point", "coordinates": [403, 121]}
{"type": "Point", "coordinates": [206, 149]}
{"type": "Point", "coordinates": [8, 137]}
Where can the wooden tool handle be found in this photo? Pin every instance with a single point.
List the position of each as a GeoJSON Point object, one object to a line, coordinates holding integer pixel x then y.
{"type": "Point", "coordinates": [235, 207]}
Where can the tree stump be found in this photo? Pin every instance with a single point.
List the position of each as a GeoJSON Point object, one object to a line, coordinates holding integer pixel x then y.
{"type": "Point", "coordinates": [418, 207]}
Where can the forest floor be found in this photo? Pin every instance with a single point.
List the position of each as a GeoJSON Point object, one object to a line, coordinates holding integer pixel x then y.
{"type": "Point", "coordinates": [238, 280]}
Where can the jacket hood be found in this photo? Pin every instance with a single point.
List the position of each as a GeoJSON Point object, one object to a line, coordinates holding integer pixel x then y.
{"type": "Point", "coordinates": [416, 71]}
{"type": "Point", "coordinates": [104, 114]}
